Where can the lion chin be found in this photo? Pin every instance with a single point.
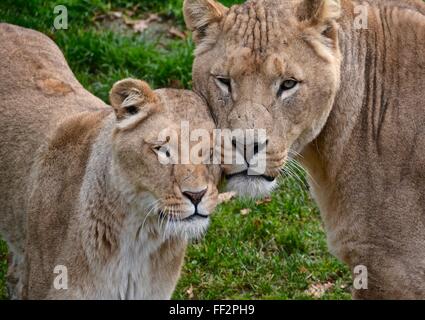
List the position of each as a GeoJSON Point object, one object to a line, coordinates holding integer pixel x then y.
{"type": "Point", "coordinates": [192, 229]}
{"type": "Point", "coordinates": [251, 186]}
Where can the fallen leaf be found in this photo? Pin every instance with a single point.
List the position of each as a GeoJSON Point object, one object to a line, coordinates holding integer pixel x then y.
{"type": "Point", "coordinates": [110, 15]}
{"type": "Point", "coordinates": [128, 20]}
{"type": "Point", "coordinates": [140, 25]}
{"type": "Point", "coordinates": [153, 17]}
{"type": "Point", "coordinates": [190, 292]}
{"type": "Point", "coordinates": [262, 201]}
{"type": "Point", "coordinates": [115, 14]}
{"type": "Point", "coordinates": [177, 33]}
{"type": "Point", "coordinates": [317, 290]}
{"type": "Point", "coordinates": [245, 212]}
{"type": "Point", "coordinates": [226, 197]}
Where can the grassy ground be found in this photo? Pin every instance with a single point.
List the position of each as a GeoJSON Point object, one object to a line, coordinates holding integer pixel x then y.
{"type": "Point", "coordinates": [274, 250]}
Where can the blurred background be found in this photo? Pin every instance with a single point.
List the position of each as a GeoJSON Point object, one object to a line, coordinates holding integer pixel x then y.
{"type": "Point", "coordinates": [267, 249]}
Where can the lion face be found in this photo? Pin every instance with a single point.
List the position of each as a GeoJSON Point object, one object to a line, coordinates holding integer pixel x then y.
{"type": "Point", "coordinates": [270, 65]}
{"type": "Point", "coordinates": [181, 196]}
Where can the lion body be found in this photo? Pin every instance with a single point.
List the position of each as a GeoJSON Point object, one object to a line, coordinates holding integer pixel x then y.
{"type": "Point", "coordinates": [38, 91]}
{"type": "Point", "coordinates": [368, 163]}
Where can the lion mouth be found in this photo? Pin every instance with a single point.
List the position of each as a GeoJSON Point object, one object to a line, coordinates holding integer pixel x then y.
{"type": "Point", "coordinates": [192, 217]}
{"type": "Point", "coordinates": [245, 174]}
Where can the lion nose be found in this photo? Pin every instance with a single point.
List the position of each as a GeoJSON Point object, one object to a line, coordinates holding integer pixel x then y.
{"type": "Point", "coordinates": [195, 197]}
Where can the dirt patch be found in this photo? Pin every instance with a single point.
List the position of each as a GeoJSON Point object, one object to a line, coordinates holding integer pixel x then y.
{"type": "Point", "coordinates": [151, 26]}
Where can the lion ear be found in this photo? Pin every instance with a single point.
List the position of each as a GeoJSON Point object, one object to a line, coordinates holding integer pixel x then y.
{"type": "Point", "coordinates": [200, 14]}
{"type": "Point", "coordinates": [320, 11]}
{"type": "Point", "coordinates": [129, 96]}
{"type": "Point", "coordinates": [322, 16]}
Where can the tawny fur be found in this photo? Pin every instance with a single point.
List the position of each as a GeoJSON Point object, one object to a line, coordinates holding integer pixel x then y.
{"type": "Point", "coordinates": [78, 180]}
{"type": "Point", "coordinates": [357, 118]}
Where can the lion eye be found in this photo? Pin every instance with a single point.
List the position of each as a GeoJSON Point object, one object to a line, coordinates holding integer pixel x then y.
{"type": "Point", "coordinates": [287, 85]}
{"type": "Point", "coordinates": [224, 83]}
{"type": "Point", "coordinates": [132, 110]}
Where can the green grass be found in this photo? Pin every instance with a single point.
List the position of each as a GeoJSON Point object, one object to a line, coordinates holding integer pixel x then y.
{"type": "Point", "coordinates": [3, 269]}
{"type": "Point", "coordinates": [277, 250]}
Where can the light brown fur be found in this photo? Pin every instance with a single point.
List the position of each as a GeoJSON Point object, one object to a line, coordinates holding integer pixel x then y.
{"type": "Point", "coordinates": [356, 122]}
{"type": "Point", "coordinates": [82, 186]}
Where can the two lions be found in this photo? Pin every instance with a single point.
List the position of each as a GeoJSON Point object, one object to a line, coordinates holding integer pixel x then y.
{"type": "Point", "coordinates": [348, 102]}
{"type": "Point", "coordinates": [83, 191]}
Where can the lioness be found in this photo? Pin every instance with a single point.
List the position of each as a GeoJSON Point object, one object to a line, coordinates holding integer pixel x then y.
{"type": "Point", "coordinates": [340, 85]}
{"type": "Point", "coordinates": [88, 208]}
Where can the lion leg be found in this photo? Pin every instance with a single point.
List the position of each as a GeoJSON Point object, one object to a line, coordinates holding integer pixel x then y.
{"type": "Point", "coordinates": [15, 276]}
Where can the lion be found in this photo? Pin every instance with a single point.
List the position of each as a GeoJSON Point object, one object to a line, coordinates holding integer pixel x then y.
{"type": "Point", "coordinates": [91, 209]}
{"type": "Point", "coordinates": [339, 86]}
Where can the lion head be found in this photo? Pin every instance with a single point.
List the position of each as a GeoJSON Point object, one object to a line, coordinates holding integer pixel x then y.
{"type": "Point", "coordinates": [147, 142]}
{"type": "Point", "coordinates": [266, 64]}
